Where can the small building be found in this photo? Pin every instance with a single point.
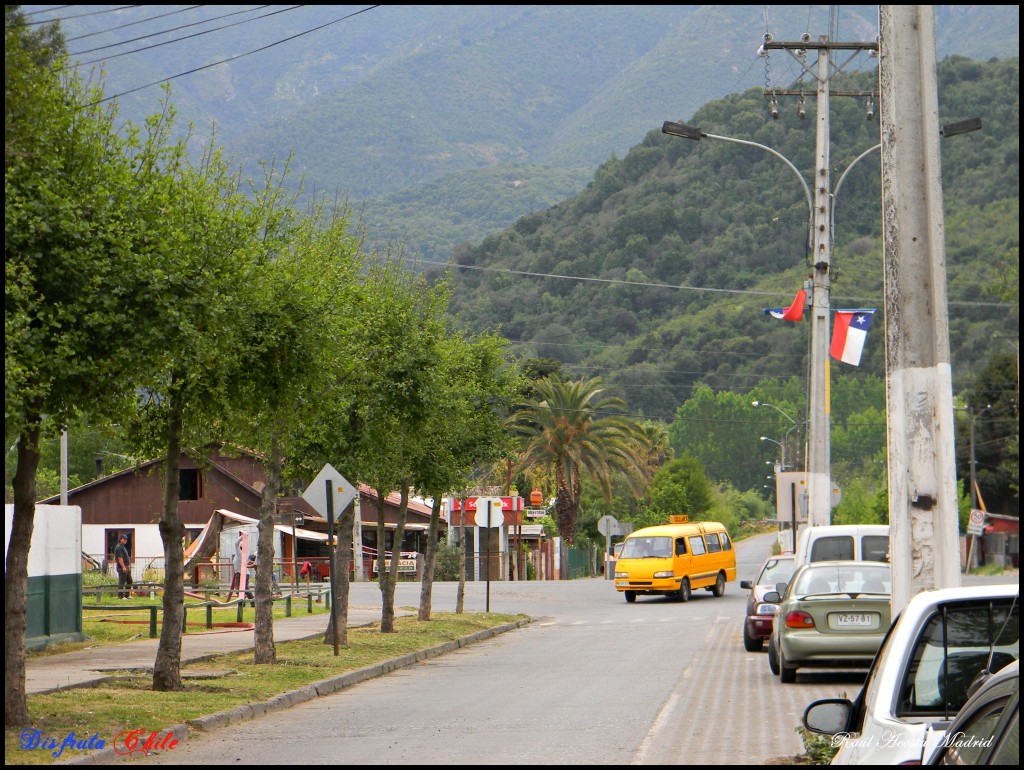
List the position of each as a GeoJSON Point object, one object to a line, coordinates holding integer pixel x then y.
{"type": "Point", "coordinates": [131, 502]}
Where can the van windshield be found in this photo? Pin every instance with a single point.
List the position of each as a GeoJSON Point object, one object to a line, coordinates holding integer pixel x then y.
{"type": "Point", "coordinates": [647, 548]}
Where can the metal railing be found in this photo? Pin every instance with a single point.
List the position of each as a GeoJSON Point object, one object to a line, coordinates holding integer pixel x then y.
{"type": "Point", "coordinates": [319, 594]}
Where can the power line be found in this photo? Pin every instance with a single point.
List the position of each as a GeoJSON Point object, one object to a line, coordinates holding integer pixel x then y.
{"type": "Point", "coordinates": [177, 39]}
{"type": "Point", "coordinates": [653, 285]}
{"type": "Point", "coordinates": [76, 16]}
{"type": "Point", "coordinates": [233, 58]}
{"type": "Point", "coordinates": [158, 32]}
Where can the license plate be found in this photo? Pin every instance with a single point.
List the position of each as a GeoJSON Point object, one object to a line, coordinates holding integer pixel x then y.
{"type": "Point", "coordinates": [853, 620]}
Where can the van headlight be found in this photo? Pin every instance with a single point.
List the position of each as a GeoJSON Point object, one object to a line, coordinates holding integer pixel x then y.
{"type": "Point", "coordinates": [668, 574]}
{"type": "Point", "coordinates": [621, 574]}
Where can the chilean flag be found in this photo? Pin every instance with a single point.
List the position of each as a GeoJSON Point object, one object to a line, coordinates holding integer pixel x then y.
{"type": "Point", "coordinates": [794, 312]}
{"type": "Point", "coordinates": [848, 334]}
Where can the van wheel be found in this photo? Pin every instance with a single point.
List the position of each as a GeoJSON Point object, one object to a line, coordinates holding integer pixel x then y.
{"type": "Point", "coordinates": [684, 592]}
{"type": "Point", "coordinates": [773, 657]}
{"type": "Point", "coordinates": [719, 589]}
{"type": "Point", "coordinates": [630, 596]}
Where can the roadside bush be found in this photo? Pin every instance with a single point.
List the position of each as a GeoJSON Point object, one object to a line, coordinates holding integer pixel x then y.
{"type": "Point", "coordinates": [446, 563]}
{"type": "Point", "coordinates": [818, 748]}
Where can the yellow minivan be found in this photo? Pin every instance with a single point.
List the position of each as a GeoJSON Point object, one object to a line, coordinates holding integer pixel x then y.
{"type": "Point", "coordinates": [673, 559]}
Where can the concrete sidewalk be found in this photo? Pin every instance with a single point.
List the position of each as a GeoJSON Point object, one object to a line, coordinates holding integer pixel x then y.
{"type": "Point", "coordinates": [86, 667]}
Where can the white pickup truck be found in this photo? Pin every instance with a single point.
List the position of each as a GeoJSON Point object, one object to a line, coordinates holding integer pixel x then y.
{"type": "Point", "coordinates": [922, 674]}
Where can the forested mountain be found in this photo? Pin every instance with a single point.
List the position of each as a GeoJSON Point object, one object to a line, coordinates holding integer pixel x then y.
{"type": "Point", "coordinates": [443, 108]}
{"type": "Point", "coordinates": [657, 275]}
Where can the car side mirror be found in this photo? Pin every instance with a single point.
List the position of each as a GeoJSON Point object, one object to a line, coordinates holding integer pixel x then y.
{"type": "Point", "coordinates": [828, 717]}
{"type": "Point", "coordinates": [772, 597]}
{"type": "Point", "coordinates": [748, 584]}
{"type": "Point", "coordinates": [781, 588]}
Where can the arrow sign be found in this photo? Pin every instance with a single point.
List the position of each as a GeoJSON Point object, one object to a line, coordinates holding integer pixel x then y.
{"type": "Point", "coordinates": [343, 492]}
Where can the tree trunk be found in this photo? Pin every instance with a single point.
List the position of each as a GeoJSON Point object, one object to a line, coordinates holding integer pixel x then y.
{"type": "Point", "coordinates": [427, 579]}
{"type": "Point", "coordinates": [264, 650]}
{"type": "Point", "coordinates": [16, 576]}
{"type": "Point", "coordinates": [387, 587]}
{"type": "Point", "coordinates": [167, 667]}
{"type": "Point", "coordinates": [343, 562]}
{"type": "Point", "coordinates": [382, 574]}
{"type": "Point", "coordinates": [460, 595]}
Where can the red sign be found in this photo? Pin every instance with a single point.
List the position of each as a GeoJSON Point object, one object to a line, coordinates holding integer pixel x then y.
{"type": "Point", "coordinates": [507, 504]}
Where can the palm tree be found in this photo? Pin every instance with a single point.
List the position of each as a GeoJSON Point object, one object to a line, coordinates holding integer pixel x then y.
{"type": "Point", "coordinates": [576, 429]}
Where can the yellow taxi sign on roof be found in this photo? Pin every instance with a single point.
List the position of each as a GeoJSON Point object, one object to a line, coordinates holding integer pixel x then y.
{"type": "Point", "coordinates": [678, 518]}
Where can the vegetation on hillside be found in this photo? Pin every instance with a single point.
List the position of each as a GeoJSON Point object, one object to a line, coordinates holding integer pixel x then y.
{"type": "Point", "coordinates": [657, 275]}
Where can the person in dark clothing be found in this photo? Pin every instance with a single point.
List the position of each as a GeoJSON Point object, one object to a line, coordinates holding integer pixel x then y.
{"type": "Point", "coordinates": [123, 560]}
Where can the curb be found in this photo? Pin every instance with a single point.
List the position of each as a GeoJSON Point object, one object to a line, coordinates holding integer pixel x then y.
{"type": "Point", "coordinates": [249, 711]}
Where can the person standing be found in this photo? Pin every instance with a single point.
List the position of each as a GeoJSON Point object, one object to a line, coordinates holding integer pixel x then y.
{"type": "Point", "coordinates": [236, 566]}
{"type": "Point", "coordinates": [123, 560]}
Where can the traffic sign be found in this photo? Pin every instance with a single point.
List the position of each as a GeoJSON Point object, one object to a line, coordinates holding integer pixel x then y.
{"type": "Point", "coordinates": [488, 512]}
{"type": "Point", "coordinates": [608, 526]}
{"type": "Point", "coordinates": [343, 492]}
{"type": "Point", "coordinates": [976, 525]}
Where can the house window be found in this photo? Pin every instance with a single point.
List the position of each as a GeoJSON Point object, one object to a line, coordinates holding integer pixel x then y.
{"type": "Point", "coordinates": [190, 484]}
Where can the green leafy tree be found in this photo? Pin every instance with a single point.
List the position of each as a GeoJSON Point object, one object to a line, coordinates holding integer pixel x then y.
{"type": "Point", "coordinates": [392, 393]}
{"type": "Point", "coordinates": [577, 429]}
{"type": "Point", "coordinates": [681, 487]}
{"type": "Point", "coordinates": [722, 431]}
{"type": "Point", "coordinates": [202, 257]}
{"type": "Point", "coordinates": [78, 198]}
{"type": "Point", "coordinates": [306, 267]}
{"type": "Point", "coordinates": [465, 430]}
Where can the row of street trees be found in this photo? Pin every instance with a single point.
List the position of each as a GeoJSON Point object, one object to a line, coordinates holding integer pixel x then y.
{"type": "Point", "coordinates": [188, 304]}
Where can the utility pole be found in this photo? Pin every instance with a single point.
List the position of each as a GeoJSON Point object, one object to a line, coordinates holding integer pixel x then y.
{"type": "Point", "coordinates": [819, 473]}
{"type": "Point", "coordinates": [924, 538]}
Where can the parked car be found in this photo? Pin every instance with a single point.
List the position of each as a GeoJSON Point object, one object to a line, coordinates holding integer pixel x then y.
{"type": "Point", "coordinates": [986, 730]}
{"type": "Point", "coordinates": [919, 680]}
{"type": "Point", "coordinates": [834, 614]}
{"type": "Point", "coordinates": [757, 625]}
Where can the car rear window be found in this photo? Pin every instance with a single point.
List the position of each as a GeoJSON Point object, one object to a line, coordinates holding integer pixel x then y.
{"type": "Point", "coordinates": [832, 548]}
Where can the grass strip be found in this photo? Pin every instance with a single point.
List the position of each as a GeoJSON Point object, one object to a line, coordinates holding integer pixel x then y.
{"type": "Point", "coordinates": [226, 682]}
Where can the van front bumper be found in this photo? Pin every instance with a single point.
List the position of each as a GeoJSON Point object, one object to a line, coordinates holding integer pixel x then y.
{"type": "Point", "coordinates": [655, 585]}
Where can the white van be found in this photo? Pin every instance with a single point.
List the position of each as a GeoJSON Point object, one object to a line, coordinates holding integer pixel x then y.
{"type": "Point", "coordinates": [843, 542]}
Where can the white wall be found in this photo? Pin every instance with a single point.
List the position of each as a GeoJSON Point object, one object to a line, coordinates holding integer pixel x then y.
{"type": "Point", "coordinates": [56, 539]}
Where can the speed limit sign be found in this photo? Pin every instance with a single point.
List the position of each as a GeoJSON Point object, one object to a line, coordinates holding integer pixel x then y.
{"type": "Point", "coordinates": [976, 526]}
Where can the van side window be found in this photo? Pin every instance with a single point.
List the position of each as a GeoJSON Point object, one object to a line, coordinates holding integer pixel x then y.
{"type": "Point", "coordinates": [680, 546]}
{"type": "Point", "coordinates": [714, 544]}
{"type": "Point", "coordinates": [726, 542]}
{"type": "Point", "coordinates": [875, 548]}
{"type": "Point", "coordinates": [697, 545]}
{"type": "Point", "coordinates": [835, 548]}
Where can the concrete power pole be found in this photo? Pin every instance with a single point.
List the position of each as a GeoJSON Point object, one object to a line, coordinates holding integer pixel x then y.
{"type": "Point", "coordinates": [919, 392]}
{"type": "Point", "coordinates": [818, 459]}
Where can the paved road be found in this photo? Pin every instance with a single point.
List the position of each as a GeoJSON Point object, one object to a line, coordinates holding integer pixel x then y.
{"type": "Point", "coordinates": [593, 680]}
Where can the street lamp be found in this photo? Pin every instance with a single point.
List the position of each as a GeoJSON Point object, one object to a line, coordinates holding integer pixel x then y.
{"type": "Point", "coordinates": [782, 447]}
{"type": "Point", "coordinates": [696, 134]}
{"type": "Point", "coordinates": [784, 414]}
{"type": "Point", "coordinates": [819, 245]}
